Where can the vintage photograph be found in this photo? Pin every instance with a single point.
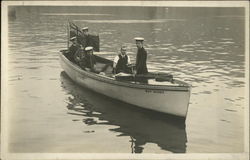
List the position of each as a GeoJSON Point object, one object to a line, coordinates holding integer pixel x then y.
{"type": "Point", "coordinates": [134, 79]}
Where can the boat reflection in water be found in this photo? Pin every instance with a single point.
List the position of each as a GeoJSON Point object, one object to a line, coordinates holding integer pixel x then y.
{"type": "Point", "coordinates": [143, 126]}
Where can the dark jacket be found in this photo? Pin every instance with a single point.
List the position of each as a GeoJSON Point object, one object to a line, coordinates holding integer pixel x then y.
{"type": "Point", "coordinates": [88, 61]}
{"type": "Point", "coordinates": [89, 40]}
{"type": "Point", "coordinates": [84, 40]}
{"type": "Point", "coordinates": [141, 59]}
{"type": "Point", "coordinates": [72, 51]}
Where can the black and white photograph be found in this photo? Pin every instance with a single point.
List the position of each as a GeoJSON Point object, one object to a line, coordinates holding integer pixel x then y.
{"type": "Point", "coordinates": [125, 80]}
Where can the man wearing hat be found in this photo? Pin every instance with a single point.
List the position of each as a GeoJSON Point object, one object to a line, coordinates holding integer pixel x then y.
{"type": "Point", "coordinates": [141, 57]}
{"type": "Point", "coordinates": [73, 49]}
{"type": "Point", "coordinates": [84, 38]}
{"type": "Point", "coordinates": [88, 61]}
{"type": "Point", "coordinates": [121, 62]}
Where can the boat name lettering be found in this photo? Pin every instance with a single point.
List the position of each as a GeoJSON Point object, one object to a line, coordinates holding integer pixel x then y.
{"type": "Point", "coordinates": [154, 91]}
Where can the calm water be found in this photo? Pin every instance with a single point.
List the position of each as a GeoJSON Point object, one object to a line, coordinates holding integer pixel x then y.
{"type": "Point", "coordinates": [202, 46]}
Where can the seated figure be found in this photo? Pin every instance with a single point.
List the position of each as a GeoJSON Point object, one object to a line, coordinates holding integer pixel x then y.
{"type": "Point", "coordinates": [88, 61]}
{"type": "Point", "coordinates": [121, 62]}
{"type": "Point", "coordinates": [73, 49]}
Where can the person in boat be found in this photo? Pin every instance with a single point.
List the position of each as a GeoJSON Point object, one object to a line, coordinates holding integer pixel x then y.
{"type": "Point", "coordinates": [84, 38]}
{"type": "Point", "coordinates": [73, 49]}
{"type": "Point", "coordinates": [121, 62]}
{"type": "Point", "coordinates": [78, 56]}
{"type": "Point", "coordinates": [88, 61]}
{"type": "Point", "coordinates": [141, 57]}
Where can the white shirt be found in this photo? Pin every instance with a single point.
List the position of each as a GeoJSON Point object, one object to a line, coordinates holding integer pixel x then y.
{"type": "Point", "coordinates": [117, 59]}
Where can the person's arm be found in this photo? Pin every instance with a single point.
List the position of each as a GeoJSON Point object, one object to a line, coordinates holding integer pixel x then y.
{"type": "Point", "coordinates": [129, 62]}
{"type": "Point", "coordinates": [82, 64]}
{"type": "Point", "coordinates": [145, 69]}
{"type": "Point", "coordinates": [94, 62]}
{"type": "Point", "coordinates": [145, 57]}
{"type": "Point", "coordinates": [115, 61]}
{"type": "Point", "coordinates": [77, 55]}
{"type": "Point", "coordinates": [70, 48]}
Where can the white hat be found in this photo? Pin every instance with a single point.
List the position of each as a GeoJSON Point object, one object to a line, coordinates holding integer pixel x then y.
{"type": "Point", "coordinates": [85, 28]}
{"type": "Point", "coordinates": [139, 39]}
{"type": "Point", "coordinates": [89, 48]}
{"type": "Point", "coordinates": [72, 38]}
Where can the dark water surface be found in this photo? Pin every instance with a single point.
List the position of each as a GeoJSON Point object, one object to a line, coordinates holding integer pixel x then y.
{"type": "Point", "coordinates": [202, 46]}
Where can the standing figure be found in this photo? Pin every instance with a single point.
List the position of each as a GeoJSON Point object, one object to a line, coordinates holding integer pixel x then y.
{"type": "Point", "coordinates": [141, 57]}
{"type": "Point", "coordinates": [121, 62]}
{"type": "Point", "coordinates": [84, 38]}
{"type": "Point", "coordinates": [73, 49]}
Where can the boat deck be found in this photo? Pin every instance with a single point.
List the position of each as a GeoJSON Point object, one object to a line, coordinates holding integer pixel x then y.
{"type": "Point", "coordinates": [148, 79]}
{"type": "Point", "coordinates": [145, 80]}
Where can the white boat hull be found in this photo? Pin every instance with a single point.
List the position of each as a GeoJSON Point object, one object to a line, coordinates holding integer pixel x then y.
{"type": "Point", "coordinates": [171, 100]}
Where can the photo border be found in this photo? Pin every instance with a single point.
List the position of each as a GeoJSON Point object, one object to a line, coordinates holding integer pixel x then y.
{"type": "Point", "coordinates": [194, 156]}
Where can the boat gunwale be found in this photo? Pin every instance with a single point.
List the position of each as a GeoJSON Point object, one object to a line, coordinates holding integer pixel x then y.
{"type": "Point", "coordinates": [183, 88]}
